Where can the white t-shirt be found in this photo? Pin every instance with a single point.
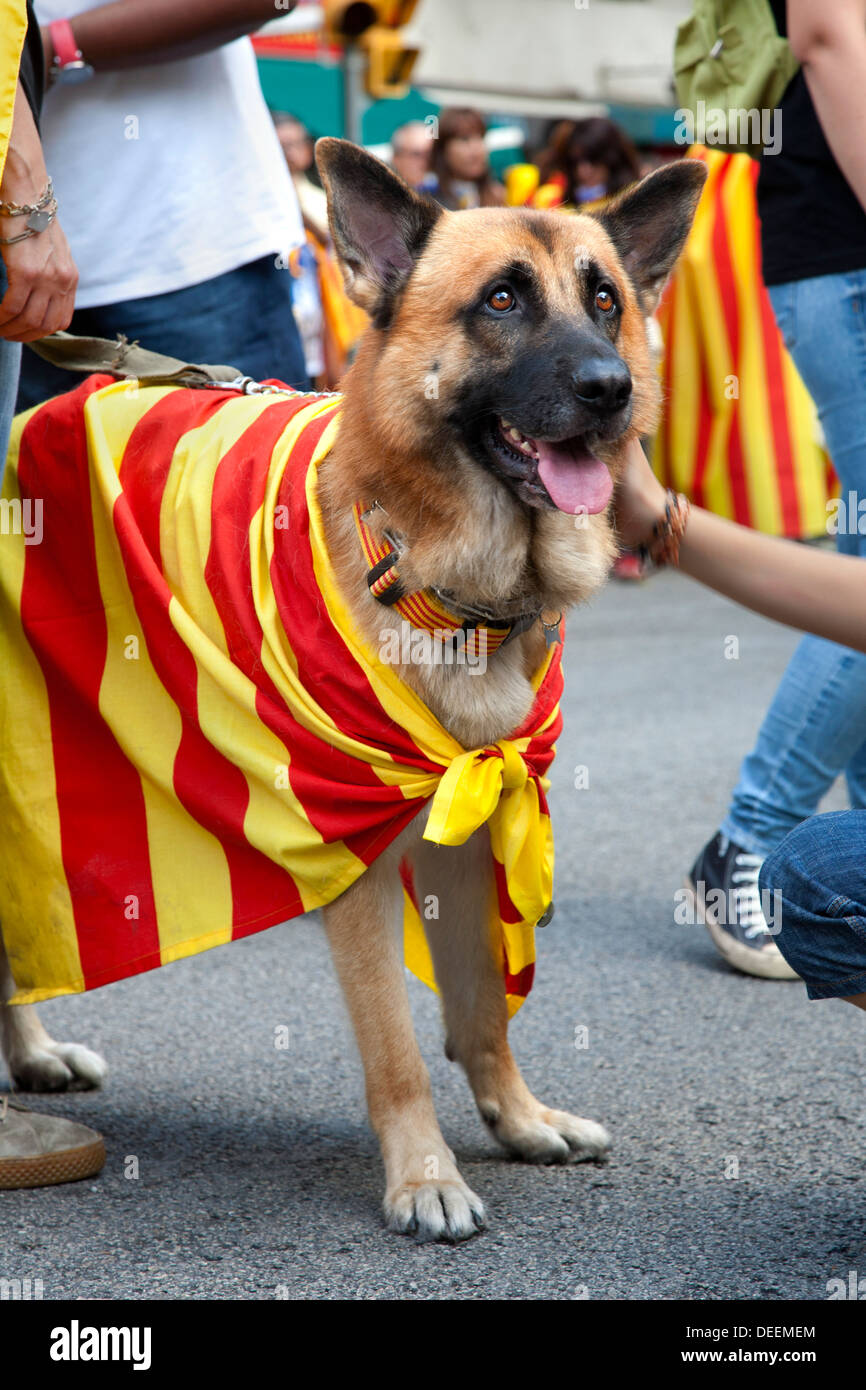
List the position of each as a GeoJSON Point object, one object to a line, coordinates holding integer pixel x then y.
{"type": "Point", "coordinates": [166, 175]}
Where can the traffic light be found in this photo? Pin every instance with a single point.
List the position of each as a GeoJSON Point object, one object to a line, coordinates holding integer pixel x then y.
{"type": "Point", "coordinates": [375, 25]}
{"type": "Point", "coordinates": [349, 19]}
{"type": "Point", "coordinates": [389, 59]}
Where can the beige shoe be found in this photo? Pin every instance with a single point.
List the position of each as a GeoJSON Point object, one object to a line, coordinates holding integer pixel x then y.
{"type": "Point", "coordinates": [38, 1150]}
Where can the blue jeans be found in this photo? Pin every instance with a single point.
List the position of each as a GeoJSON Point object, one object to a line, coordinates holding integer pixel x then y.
{"type": "Point", "coordinates": [10, 363]}
{"type": "Point", "coordinates": [820, 872]}
{"type": "Point", "coordinates": [815, 727]}
{"type": "Point", "coordinates": [241, 319]}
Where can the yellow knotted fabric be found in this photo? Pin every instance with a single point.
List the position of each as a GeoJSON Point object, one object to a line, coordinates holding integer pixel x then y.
{"type": "Point", "coordinates": [492, 786]}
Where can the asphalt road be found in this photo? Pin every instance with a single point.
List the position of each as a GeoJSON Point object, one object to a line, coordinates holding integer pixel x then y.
{"type": "Point", "coordinates": [258, 1176]}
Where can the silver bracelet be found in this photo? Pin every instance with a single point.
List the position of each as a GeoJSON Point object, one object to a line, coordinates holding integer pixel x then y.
{"type": "Point", "coordinates": [22, 209]}
{"type": "Point", "coordinates": [39, 215]}
{"type": "Point", "coordinates": [36, 223]}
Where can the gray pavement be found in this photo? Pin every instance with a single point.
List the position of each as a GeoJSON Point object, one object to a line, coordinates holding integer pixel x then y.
{"type": "Point", "coordinates": [258, 1175]}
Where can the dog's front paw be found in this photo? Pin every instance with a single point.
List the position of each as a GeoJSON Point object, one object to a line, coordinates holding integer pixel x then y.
{"type": "Point", "coordinates": [56, 1066]}
{"type": "Point", "coordinates": [444, 1209]}
{"type": "Point", "coordinates": [548, 1136]}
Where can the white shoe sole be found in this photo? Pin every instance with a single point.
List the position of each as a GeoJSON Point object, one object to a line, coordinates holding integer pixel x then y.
{"type": "Point", "coordinates": [768, 963]}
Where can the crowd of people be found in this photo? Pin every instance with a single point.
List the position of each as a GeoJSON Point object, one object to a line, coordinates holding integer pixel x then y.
{"type": "Point", "coordinates": [168, 205]}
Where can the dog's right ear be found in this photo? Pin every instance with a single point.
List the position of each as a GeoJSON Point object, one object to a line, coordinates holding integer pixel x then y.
{"type": "Point", "coordinates": [379, 225]}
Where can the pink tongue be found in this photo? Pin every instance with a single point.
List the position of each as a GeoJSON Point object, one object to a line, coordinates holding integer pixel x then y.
{"type": "Point", "coordinates": [576, 480]}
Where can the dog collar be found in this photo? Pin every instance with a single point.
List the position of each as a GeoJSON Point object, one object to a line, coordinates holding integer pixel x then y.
{"type": "Point", "coordinates": [433, 610]}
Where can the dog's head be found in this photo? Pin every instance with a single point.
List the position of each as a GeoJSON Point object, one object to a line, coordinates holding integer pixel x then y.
{"type": "Point", "coordinates": [509, 339]}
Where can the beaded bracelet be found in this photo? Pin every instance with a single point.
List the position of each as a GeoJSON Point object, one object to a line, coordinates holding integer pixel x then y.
{"type": "Point", "coordinates": [663, 547]}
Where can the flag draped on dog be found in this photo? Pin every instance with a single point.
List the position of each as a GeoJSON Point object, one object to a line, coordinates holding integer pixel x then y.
{"type": "Point", "coordinates": [199, 743]}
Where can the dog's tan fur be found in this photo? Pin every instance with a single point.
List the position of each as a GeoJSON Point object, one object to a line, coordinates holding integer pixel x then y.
{"type": "Point", "coordinates": [464, 531]}
{"type": "Point", "coordinates": [462, 534]}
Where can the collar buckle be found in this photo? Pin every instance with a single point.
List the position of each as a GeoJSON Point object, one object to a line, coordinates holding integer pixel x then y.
{"type": "Point", "coordinates": [435, 610]}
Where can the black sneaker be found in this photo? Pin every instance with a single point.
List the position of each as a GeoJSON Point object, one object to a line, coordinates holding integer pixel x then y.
{"type": "Point", "coordinates": [724, 880]}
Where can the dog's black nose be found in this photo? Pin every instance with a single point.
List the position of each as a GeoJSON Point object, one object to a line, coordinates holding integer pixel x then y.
{"type": "Point", "coordinates": [602, 384]}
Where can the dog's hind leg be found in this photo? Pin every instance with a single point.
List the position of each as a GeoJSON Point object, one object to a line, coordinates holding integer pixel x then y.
{"type": "Point", "coordinates": [424, 1193]}
{"type": "Point", "coordinates": [35, 1061]}
{"type": "Point", "coordinates": [469, 975]}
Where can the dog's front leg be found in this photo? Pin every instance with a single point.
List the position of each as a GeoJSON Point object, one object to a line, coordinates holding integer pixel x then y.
{"type": "Point", "coordinates": [469, 975]}
{"type": "Point", "coordinates": [35, 1061]}
{"type": "Point", "coordinates": [424, 1192]}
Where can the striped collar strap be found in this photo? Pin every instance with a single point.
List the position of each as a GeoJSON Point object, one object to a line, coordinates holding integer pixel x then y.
{"type": "Point", "coordinates": [427, 608]}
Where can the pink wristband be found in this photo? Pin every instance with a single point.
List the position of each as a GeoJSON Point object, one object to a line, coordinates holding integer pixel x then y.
{"type": "Point", "coordinates": [66, 49]}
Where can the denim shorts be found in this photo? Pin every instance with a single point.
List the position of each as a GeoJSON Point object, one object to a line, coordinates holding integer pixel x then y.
{"type": "Point", "coordinates": [820, 871]}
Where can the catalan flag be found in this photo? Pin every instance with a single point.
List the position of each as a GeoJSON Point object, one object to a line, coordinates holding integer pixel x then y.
{"type": "Point", "coordinates": [198, 741]}
{"type": "Point", "coordinates": [13, 27]}
{"type": "Point", "coordinates": [739, 430]}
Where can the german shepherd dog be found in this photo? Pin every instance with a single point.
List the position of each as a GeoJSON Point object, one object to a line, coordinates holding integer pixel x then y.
{"type": "Point", "coordinates": [532, 325]}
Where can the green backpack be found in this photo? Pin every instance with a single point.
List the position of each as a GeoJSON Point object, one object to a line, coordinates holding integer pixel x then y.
{"type": "Point", "coordinates": [731, 68]}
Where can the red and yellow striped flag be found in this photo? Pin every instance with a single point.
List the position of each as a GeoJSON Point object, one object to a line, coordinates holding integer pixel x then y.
{"type": "Point", "coordinates": [739, 430]}
{"type": "Point", "coordinates": [199, 743]}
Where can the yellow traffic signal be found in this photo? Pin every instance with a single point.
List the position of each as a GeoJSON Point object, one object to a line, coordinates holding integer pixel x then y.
{"type": "Point", "coordinates": [395, 13]}
{"type": "Point", "coordinates": [349, 19]}
{"type": "Point", "coordinates": [389, 62]}
{"type": "Point", "coordinates": [375, 25]}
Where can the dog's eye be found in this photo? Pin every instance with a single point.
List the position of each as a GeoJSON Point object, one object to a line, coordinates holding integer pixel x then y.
{"type": "Point", "coordinates": [604, 300]}
{"type": "Point", "coordinates": [501, 300]}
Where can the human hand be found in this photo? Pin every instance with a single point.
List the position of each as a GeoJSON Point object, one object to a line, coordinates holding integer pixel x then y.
{"type": "Point", "coordinates": [42, 279]}
{"type": "Point", "coordinates": [640, 498]}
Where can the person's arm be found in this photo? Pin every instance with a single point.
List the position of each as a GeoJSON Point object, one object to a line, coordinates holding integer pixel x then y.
{"type": "Point", "coordinates": [130, 34]}
{"type": "Point", "coordinates": [41, 273]}
{"type": "Point", "coordinates": [829, 40]}
{"type": "Point", "coordinates": [791, 583]}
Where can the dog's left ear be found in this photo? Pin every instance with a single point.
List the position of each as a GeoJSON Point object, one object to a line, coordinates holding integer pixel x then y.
{"type": "Point", "coordinates": [649, 223]}
{"type": "Point", "coordinates": [379, 225]}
